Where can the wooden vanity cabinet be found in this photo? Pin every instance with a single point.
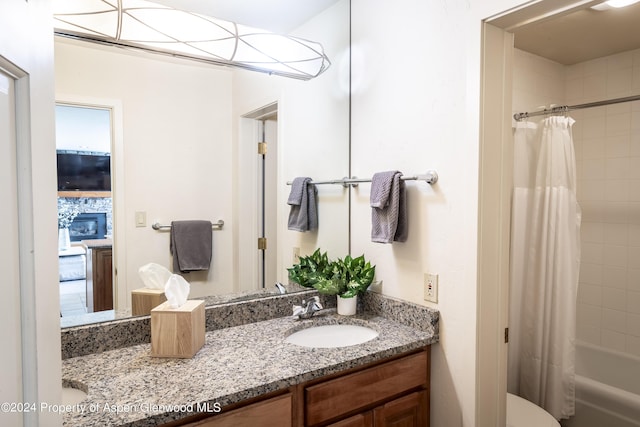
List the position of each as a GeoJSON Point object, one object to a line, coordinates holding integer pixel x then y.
{"type": "Point", "coordinates": [411, 410]}
{"type": "Point", "coordinates": [99, 279]}
{"type": "Point", "coordinates": [391, 393]}
{"type": "Point", "coordinates": [395, 392]}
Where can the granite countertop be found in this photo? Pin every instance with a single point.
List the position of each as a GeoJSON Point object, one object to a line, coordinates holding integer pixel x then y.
{"type": "Point", "coordinates": [129, 387]}
{"type": "Point", "coordinates": [98, 243]}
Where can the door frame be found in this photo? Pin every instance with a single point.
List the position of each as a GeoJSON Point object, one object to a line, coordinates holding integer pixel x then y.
{"type": "Point", "coordinates": [26, 332]}
{"type": "Point", "coordinates": [494, 223]}
{"type": "Point", "coordinates": [248, 165]}
{"type": "Point", "coordinates": [494, 206]}
{"type": "Point", "coordinates": [120, 294]}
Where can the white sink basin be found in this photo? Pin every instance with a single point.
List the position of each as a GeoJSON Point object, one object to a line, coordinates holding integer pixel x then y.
{"type": "Point", "coordinates": [72, 396]}
{"type": "Point", "coordinates": [332, 336]}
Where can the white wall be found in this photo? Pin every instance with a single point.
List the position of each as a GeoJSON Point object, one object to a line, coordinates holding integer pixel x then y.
{"type": "Point", "coordinates": [83, 129]}
{"type": "Point", "coordinates": [313, 140]}
{"type": "Point", "coordinates": [26, 41]}
{"type": "Point", "coordinates": [407, 115]}
{"type": "Point", "coordinates": [537, 82]}
{"type": "Point", "coordinates": [177, 150]}
{"type": "Point", "coordinates": [430, 120]}
{"type": "Point", "coordinates": [607, 142]}
{"type": "Point", "coordinates": [415, 106]}
{"type": "Point", "coordinates": [187, 115]}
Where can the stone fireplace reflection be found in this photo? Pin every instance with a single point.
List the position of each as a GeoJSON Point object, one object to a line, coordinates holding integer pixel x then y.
{"type": "Point", "coordinates": [85, 269]}
{"type": "Point", "coordinates": [88, 226]}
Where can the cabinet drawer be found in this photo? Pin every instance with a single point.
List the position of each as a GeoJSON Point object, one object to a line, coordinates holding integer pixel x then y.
{"type": "Point", "coordinates": [339, 396]}
{"type": "Point", "coordinates": [275, 412]}
{"type": "Point", "coordinates": [359, 420]}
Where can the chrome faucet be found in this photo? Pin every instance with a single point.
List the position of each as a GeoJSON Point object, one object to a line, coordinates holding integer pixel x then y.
{"type": "Point", "coordinates": [281, 288]}
{"type": "Point", "coordinates": [307, 309]}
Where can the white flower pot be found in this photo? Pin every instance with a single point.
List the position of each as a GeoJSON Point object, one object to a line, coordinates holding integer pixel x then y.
{"type": "Point", "coordinates": [347, 306]}
{"type": "Point", "coordinates": [64, 242]}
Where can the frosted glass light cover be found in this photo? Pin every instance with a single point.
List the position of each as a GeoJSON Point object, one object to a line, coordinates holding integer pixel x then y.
{"type": "Point", "coordinates": [150, 26]}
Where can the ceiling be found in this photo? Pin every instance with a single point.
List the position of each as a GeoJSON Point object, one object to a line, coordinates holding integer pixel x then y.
{"type": "Point", "coordinates": [582, 35]}
{"type": "Point", "coordinates": [278, 16]}
{"type": "Point", "coordinates": [567, 39]}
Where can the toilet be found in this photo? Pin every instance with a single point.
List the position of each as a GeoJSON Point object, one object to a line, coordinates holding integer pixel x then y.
{"type": "Point", "coordinates": [522, 413]}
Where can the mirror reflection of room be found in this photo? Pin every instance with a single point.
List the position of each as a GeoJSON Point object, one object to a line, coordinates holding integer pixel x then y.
{"type": "Point", "coordinates": [184, 148]}
{"type": "Point", "coordinates": [85, 209]}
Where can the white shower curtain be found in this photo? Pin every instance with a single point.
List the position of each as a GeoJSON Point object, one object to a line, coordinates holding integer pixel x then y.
{"type": "Point", "coordinates": [545, 261]}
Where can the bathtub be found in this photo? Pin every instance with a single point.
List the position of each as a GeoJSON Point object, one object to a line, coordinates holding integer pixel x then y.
{"type": "Point", "coordinates": [607, 388]}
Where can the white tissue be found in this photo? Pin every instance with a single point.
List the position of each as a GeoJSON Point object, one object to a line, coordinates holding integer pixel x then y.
{"type": "Point", "coordinates": [176, 290]}
{"type": "Point", "coordinates": [154, 276]}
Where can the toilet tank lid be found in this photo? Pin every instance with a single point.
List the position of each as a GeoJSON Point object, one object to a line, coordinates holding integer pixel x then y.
{"type": "Point", "coordinates": [522, 413]}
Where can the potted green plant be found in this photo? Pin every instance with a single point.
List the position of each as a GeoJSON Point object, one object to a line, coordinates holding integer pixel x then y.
{"type": "Point", "coordinates": [357, 274]}
{"type": "Point", "coordinates": [347, 278]}
{"type": "Point", "coordinates": [309, 269]}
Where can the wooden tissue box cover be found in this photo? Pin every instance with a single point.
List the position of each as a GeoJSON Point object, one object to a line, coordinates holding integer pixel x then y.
{"type": "Point", "coordinates": [177, 332]}
{"type": "Point", "coordinates": [144, 299]}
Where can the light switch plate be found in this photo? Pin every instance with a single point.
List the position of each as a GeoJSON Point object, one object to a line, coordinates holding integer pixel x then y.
{"type": "Point", "coordinates": [141, 219]}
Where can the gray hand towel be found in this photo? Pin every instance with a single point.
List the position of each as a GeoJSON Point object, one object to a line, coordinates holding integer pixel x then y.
{"type": "Point", "coordinates": [303, 215]}
{"type": "Point", "coordinates": [389, 208]}
{"type": "Point", "coordinates": [191, 246]}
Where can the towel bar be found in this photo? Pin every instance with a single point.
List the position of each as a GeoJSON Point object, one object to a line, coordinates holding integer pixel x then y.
{"type": "Point", "coordinates": [215, 225]}
{"type": "Point", "coordinates": [430, 177]}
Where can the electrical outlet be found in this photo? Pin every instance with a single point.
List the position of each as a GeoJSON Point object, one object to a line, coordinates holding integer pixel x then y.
{"type": "Point", "coordinates": [296, 255]}
{"type": "Point", "coordinates": [431, 287]}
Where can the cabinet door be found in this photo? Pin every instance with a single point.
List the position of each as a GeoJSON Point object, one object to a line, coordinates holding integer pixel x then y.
{"type": "Point", "coordinates": [102, 279]}
{"type": "Point", "coordinates": [407, 411]}
{"type": "Point", "coordinates": [276, 412]}
{"type": "Point", "coordinates": [359, 420]}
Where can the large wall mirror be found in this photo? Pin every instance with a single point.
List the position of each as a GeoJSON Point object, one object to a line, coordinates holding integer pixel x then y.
{"type": "Point", "coordinates": [183, 145]}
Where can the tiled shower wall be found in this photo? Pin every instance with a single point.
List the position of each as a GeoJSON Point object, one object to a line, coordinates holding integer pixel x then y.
{"type": "Point", "coordinates": [607, 142]}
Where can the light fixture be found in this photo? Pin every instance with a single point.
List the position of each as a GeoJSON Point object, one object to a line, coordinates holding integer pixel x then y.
{"type": "Point", "coordinates": [153, 27]}
{"type": "Point", "coordinates": [614, 4]}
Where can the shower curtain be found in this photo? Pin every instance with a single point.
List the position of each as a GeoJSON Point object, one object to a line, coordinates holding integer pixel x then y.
{"type": "Point", "coordinates": [545, 261]}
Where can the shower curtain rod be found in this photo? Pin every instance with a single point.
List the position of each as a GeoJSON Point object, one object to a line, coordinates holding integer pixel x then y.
{"type": "Point", "coordinates": [565, 108]}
